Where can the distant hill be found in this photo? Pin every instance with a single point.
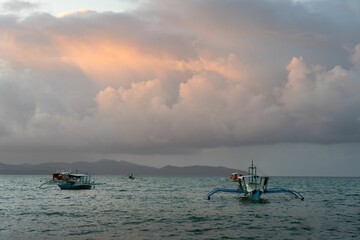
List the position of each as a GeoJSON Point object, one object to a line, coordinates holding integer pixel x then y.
{"type": "Point", "coordinates": [112, 167]}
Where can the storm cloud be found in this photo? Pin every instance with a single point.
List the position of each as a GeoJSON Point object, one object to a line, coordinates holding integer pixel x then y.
{"type": "Point", "coordinates": [181, 76]}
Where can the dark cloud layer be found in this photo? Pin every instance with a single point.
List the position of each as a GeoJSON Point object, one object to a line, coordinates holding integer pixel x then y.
{"type": "Point", "coordinates": [181, 76]}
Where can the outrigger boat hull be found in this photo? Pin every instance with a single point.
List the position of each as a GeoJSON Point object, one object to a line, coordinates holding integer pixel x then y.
{"type": "Point", "coordinates": [69, 186]}
{"type": "Point", "coordinates": [254, 196]}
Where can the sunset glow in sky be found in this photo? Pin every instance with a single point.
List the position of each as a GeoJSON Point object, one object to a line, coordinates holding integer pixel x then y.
{"type": "Point", "coordinates": [206, 82]}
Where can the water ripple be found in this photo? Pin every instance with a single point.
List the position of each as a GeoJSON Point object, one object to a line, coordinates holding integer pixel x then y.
{"type": "Point", "coordinates": [176, 208]}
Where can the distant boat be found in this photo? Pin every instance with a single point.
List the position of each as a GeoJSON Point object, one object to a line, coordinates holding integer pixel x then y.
{"type": "Point", "coordinates": [70, 181]}
{"type": "Point", "coordinates": [131, 176]}
{"type": "Point", "coordinates": [235, 176]}
{"type": "Point", "coordinates": [76, 181]}
{"type": "Point", "coordinates": [253, 186]}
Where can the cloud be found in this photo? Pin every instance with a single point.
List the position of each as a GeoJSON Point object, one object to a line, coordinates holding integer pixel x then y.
{"type": "Point", "coordinates": [171, 79]}
{"type": "Point", "coordinates": [314, 105]}
{"type": "Point", "coordinates": [14, 5]}
{"type": "Point", "coordinates": [356, 58]}
{"type": "Point", "coordinates": [322, 103]}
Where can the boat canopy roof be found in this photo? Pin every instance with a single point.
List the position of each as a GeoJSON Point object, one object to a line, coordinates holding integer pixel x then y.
{"type": "Point", "coordinates": [78, 175]}
{"type": "Point", "coordinates": [245, 176]}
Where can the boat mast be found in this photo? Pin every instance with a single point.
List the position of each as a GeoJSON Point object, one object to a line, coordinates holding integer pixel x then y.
{"type": "Point", "coordinates": [252, 173]}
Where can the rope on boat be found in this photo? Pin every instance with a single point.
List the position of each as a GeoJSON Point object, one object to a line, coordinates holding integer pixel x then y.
{"type": "Point", "coordinates": [280, 190]}
{"type": "Point", "coordinates": [49, 183]}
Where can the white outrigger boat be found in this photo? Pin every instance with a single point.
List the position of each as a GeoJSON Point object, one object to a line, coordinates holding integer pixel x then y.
{"type": "Point", "coordinates": [253, 186]}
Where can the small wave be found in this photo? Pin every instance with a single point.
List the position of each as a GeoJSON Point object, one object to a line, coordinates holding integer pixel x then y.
{"type": "Point", "coordinates": [197, 219]}
{"type": "Point", "coordinates": [152, 210]}
{"type": "Point", "coordinates": [85, 232]}
{"type": "Point", "coordinates": [54, 214]}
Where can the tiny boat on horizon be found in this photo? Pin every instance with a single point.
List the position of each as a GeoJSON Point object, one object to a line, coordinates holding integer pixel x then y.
{"type": "Point", "coordinates": [253, 186]}
{"type": "Point", "coordinates": [131, 176]}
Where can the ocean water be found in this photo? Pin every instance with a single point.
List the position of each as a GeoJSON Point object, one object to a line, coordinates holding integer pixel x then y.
{"type": "Point", "coordinates": [177, 208]}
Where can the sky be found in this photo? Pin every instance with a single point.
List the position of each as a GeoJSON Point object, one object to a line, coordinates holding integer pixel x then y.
{"type": "Point", "coordinates": [196, 82]}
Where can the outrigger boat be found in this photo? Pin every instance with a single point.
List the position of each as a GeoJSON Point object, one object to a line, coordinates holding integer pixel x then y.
{"type": "Point", "coordinates": [76, 182]}
{"type": "Point", "coordinates": [70, 181]}
{"type": "Point", "coordinates": [253, 186]}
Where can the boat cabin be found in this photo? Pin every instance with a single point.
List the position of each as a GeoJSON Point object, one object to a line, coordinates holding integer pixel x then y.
{"type": "Point", "coordinates": [60, 176]}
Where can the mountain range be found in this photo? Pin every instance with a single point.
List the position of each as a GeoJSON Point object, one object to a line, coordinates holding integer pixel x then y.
{"type": "Point", "coordinates": [113, 167]}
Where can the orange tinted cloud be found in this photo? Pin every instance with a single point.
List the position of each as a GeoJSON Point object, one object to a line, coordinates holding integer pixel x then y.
{"type": "Point", "coordinates": [108, 60]}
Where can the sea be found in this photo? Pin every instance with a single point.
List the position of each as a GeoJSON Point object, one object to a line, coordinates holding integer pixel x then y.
{"type": "Point", "coordinates": [177, 208]}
